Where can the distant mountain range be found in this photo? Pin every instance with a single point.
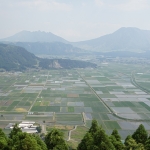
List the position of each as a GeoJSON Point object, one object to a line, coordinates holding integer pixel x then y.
{"type": "Point", "coordinates": [36, 36]}
{"type": "Point", "coordinates": [52, 48]}
{"type": "Point", "coordinates": [17, 58]}
{"type": "Point", "coordinates": [124, 39]}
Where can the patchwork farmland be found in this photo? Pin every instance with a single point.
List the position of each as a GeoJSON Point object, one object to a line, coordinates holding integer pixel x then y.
{"type": "Point", "coordinates": [117, 96]}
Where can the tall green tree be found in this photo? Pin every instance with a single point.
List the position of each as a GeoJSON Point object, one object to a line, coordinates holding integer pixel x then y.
{"type": "Point", "coordinates": [147, 144]}
{"type": "Point", "coordinates": [140, 135]}
{"type": "Point", "coordinates": [116, 135]}
{"type": "Point", "coordinates": [40, 143]}
{"type": "Point", "coordinates": [24, 141]}
{"type": "Point", "coordinates": [102, 141]}
{"type": "Point", "coordinates": [117, 144]}
{"type": "Point", "coordinates": [94, 127]}
{"type": "Point", "coordinates": [54, 140]}
{"type": "Point", "coordinates": [14, 131]}
{"type": "Point", "coordinates": [96, 139]}
{"type": "Point", "coordinates": [130, 144]}
{"type": "Point", "coordinates": [87, 142]}
{"type": "Point", "coordinates": [3, 140]}
{"type": "Point", "coordinates": [39, 129]}
{"type": "Point", "coordinates": [115, 139]}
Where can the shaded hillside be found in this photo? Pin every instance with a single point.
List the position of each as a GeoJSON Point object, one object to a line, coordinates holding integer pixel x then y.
{"type": "Point", "coordinates": [36, 36]}
{"type": "Point", "coordinates": [53, 48]}
{"type": "Point", "coordinates": [15, 58]}
{"type": "Point", "coordinates": [124, 39]}
{"type": "Point", "coordinates": [64, 63]}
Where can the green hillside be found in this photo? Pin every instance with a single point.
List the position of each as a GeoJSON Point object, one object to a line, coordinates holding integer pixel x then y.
{"type": "Point", "coordinates": [64, 63]}
{"type": "Point", "coordinates": [15, 58]}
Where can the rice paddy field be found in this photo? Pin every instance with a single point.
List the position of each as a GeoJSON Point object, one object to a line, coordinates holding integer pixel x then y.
{"type": "Point", "coordinates": [116, 95]}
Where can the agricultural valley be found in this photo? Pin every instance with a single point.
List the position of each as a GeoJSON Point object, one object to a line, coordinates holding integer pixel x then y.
{"type": "Point", "coordinates": [67, 90]}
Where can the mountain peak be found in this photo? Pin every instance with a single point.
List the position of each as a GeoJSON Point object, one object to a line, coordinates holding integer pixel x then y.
{"type": "Point", "coordinates": [35, 36]}
{"type": "Point", "coordinates": [124, 39]}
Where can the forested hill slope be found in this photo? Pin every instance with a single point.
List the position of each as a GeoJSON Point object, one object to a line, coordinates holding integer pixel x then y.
{"type": "Point", "coordinates": [15, 58]}
{"type": "Point", "coordinates": [64, 63]}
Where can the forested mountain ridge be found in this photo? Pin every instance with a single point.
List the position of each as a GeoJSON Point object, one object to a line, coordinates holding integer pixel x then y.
{"type": "Point", "coordinates": [16, 58]}
{"type": "Point", "coordinates": [64, 63]}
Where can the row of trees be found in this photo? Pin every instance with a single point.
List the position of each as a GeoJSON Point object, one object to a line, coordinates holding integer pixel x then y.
{"type": "Point", "coordinates": [97, 139]}
{"type": "Point", "coordinates": [18, 140]}
{"type": "Point", "coordinates": [94, 139]}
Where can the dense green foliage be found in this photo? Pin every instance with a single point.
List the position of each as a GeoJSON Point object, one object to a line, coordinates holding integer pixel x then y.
{"type": "Point", "coordinates": [15, 58]}
{"type": "Point", "coordinates": [116, 140]}
{"type": "Point", "coordinates": [18, 140]}
{"type": "Point", "coordinates": [97, 139]}
{"type": "Point", "coordinates": [94, 139]}
{"type": "Point", "coordinates": [18, 59]}
{"type": "Point", "coordinates": [140, 135]}
{"type": "Point", "coordinates": [3, 140]}
{"type": "Point", "coordinates": [64, 63]}
{"type": "Point", "coordinates": [54, 140]}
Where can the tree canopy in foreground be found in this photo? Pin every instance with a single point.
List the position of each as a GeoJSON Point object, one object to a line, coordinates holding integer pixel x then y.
{"type": "Point", "coordinates": [95, 139]}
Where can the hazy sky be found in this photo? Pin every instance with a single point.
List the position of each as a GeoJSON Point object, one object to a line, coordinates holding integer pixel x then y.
{"type": "Point", "coordinates": [74, 20]}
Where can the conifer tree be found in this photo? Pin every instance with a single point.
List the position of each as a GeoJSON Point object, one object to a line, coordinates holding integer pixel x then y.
{"type": "Point", "coordinates": [14, 131]}
{"type": "Point", "coordinates": [147, 144]}
{"type": "Point", "coordinates": [140, 135]}
{"type": "Point", "coordinates": [115, 139]}
{"type": "Point", "coordinates": [24, 141]}
{"type": "Point", "coordinates": [3, 140]}
{"type": "Point", "coordinates": [86, 143]}
{"type": "Point", "coordinates": [94, 127]}
{"type": "Point", "coordinates": [130, 143]}
{"type": "Point", "coordinates": [54, 140]}
{"type": "Point", "coordinates": [41, 143]}
{"type": "Point", "coordinates": [102, 141]}
{"type": "Point", "coordinates": [116, 135]}
{"type": "Point", "coordinates": [117, 144]}
{"type": "Point", "coordinates": [96, 139]}
{"type": "Point", "coordinates": [19, 140]}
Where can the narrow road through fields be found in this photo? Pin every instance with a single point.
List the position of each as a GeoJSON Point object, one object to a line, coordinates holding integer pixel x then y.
{"type": "Point", "coordinates": [38, 94]}
{"type": "Point", "coordinates": [133, 81]}
{"type": "Point", "coordinates": [108, 108]}
{"type": "Point", "coordinates": [94, 92]}
{"type": "Point", "coordinates": [69, 136]}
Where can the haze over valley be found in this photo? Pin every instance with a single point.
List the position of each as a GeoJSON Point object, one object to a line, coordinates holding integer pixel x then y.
{"type": "Point", "coordinates": [74, 75]}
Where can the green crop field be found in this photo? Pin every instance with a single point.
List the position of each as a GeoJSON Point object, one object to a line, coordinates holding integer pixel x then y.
{"type": "Point", "coordinates": [117, 96]}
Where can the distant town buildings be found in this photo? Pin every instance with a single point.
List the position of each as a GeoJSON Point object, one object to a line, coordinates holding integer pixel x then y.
{"type": "Point", "coordinates": [26, 126]}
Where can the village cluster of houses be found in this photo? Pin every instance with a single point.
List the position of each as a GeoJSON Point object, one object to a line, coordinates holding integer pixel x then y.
{"type": "Point", "coordinates": [26, 126]}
